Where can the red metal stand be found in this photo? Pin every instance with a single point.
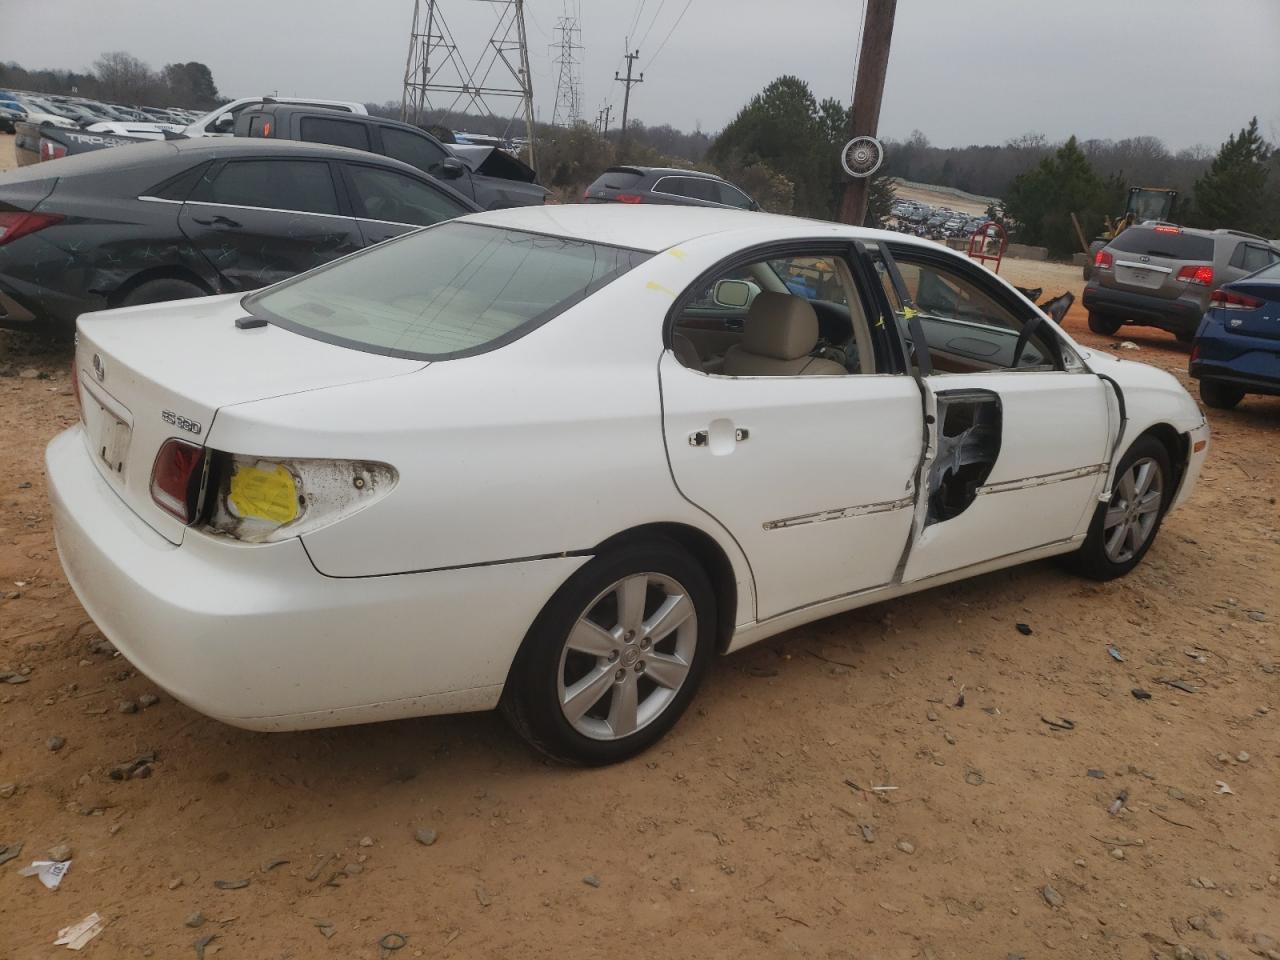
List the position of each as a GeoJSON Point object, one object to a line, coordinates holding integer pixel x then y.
{"type": "Point", "coordinates": [982, 240]}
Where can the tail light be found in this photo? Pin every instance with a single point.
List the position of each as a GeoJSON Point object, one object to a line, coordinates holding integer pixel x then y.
{"type": "Point", "coordinates": [51, 149]}
{"type": "Point", "coordinates": [1229, 300]}
{"type": "Point", "coordinates": [177, 478]}
{"type": "Point", "coordinates": [1198, 275]}
{"type": "Point", "coordinates": [1195, 353]}
{"type": "Point", "coordinates": [1104, 260]}
{"type": "Point", "coordinates": [629, 198]}
{"type": "Point", "coordinates": [15, 224]}
{"type": "Point", "coordinates": [263, 500]}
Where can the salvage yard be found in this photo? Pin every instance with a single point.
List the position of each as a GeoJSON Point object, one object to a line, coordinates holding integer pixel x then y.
{"type": "Point", "coordinates": [932, 774]}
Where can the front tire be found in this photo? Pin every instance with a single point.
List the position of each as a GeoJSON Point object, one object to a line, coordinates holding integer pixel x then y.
{"type": "Point", "coordinates": [1123, 530]}
{"type": "Point", "coordinates": [1104, 326]}
{"type": "Point", "coordinates": [1221, 396]}
{"type": "Point", "coordinates": [615, 657]}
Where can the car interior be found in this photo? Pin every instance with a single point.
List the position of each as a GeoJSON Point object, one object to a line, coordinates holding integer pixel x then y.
{"type": "Point", "coordinates": [784, 317]}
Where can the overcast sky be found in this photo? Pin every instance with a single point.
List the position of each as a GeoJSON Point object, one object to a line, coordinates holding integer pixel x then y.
{"type": "Point", "coordinates": [963, 71]}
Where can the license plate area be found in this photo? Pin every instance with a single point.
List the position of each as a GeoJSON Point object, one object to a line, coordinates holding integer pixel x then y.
{"type": "Point", "coordinates": [108, 431]}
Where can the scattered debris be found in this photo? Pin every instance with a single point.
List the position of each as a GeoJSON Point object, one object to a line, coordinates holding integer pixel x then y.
{"type": "Point", "coordinates": [320, 865]}
{"type": "Point", "coordinates": [55, 743]}
{"type": "Point", "coordinates": [127, 706]}
{"type": "Point", "coordinates": [1025, 629]}
{"type": "Point", "coordinates": [591, 880]}
{"type": "Point", "coordinates": [7, 790]}
{"type": "Point", "coordinates": [10, 851]}
{"type": "Point", "coordinates": [906, 846]}
{"type": "Point", "coordinates": [1118, 803]}
{"type": "Point", "coordinates": [1222, 787]}
{"type": "Point", "coordinates": [1129, 345]}
{"type": "Point", "coordinates": [868, 832]}
{"type": "Point", "coordinates": [271, 865]}
{"type": "Point", "coordinates": [195, 920]}
{"type": "Point", "coordinates": [483, 897]}
{"type": "Point", "coordinates": [175, 883]}
{"type": "Point", "coordinates": [77, 935]}
{"type": "Point", "coordinates": [203, 942]}
{"type": "Point", "coordinates": [1117, 853]}
{"type": "Point", "coordinates": [50, 872]}
{"type": "Point", "coordinates": [148, 700]}
{"type": "Point", "coordinates": [960, 699]}
{"type": "Point", "coordinates": [974, 778]}
{"type": "Point", "coordinates": [231, 884]}
{"type": "Point", "coordinates": [1062, 723]}
{"type": "Point", "coordinates": [1052, 897]}
{"type": "Point", "coordinates": [1141, 694]}
{"type": "Point", "coordinates": [327, 929]}
{"type": "Point", "coordinates": [1242, 757]}
{"type": "Point", "coordinates": [366, 841]}
{"type": "Point", "coordinates": [138, 768]}
{"type": "Point", "coordinates": [1115, 654]}
{"type": "Point", "coordinates": [391, 942]}
{"type": "Point", "coordinates": [425, 836]}
{"type": "Point", "coordinates": [1178, 685]}
{"type": "Point", "coordinates": [60, 853]}
{"type": "Point", "coordinates": [1097, 774]}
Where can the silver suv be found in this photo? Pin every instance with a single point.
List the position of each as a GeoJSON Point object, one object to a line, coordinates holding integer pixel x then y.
{"type": "Point", "coordinates": [1160, 275]}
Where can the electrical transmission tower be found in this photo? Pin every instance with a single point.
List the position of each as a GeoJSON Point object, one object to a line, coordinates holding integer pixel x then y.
{"type": "Point", "coordinates": [568, 108]}
{"type": "Point", "coordinates": [437, 75]}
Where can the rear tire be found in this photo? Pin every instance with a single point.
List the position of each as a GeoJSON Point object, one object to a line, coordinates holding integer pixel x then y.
{"type": "Point", "coordinates": [1185, 336]}
{"type": "Point", "coordinates": [1123, 530]}
{"type": "Point", "coordinates": [635, 671]}
{"type": "Point", "coordinates": [162, 290]}
{"type": "Point", "coordinates": [1219, 395]}
{"type": "Point", "coordinates": [1103, 325]}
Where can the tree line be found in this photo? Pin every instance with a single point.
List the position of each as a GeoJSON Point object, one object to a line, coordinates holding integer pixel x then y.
{"type": "Point", "coordinates": [120, 77]}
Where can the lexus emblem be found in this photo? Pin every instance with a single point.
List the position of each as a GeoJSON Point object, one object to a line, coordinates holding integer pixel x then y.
{"type": "Point", "coordinates": [98, 368]}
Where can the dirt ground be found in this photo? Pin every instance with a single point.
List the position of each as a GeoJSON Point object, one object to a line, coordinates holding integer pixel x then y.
{"type": "Point", "coordinates": [755, 829]}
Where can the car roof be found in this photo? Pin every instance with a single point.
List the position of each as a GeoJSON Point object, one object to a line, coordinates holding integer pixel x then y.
{"type": "Point", "coordinates": [660, 226]}
{"type": "Point", "coordinates": [662, 171]}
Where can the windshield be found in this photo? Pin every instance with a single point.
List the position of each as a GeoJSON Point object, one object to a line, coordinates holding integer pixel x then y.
{"type": "Point", "coordinates": [448, 291]}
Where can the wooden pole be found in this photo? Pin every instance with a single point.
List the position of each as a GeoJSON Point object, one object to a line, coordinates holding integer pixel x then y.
{"type": "Point", "coordinates": [1079, 234]}
{"type": "Point", "coordinates": [864, 118]}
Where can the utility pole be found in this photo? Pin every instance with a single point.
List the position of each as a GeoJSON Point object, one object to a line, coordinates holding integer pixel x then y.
{"type": "Point", "coordinates": [604, 116]}
{"type": "Point", "coordinates": [864, 118]}
{"type": "Point", "coordinates": [567, 110]}
{"type": "Point", "coordinates": [626, 98]}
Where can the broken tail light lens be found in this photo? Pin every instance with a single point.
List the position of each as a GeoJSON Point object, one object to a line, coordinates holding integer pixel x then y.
{"type": "Point", "coordinates": [1104, 260]}
{"type": "Point", "coordinates": [1201, 275]}
{"type": "Point", "coordinates": [51, 149]}
{"type": "Point", "coordinates": [629, 198]}
{"type": "Point", "coordinates": [177, 477]}
{"type": "Point", "coordinates": [264, 500]}
{"type": "Point", "coordinates": [1228, 300]}
{"type": "Point", "coordinates": [19, 223]}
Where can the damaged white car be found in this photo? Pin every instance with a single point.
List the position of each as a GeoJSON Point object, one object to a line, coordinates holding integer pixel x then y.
{"type": "Point", "coordinates": [558, 458]}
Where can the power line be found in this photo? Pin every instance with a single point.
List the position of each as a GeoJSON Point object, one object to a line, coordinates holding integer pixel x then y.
{"type": "Point", "coordinates": [656, 15]}
{"type": "Point", "coordinates": [687, 5]}
{"type": "Point", "coordinates": [635, 21]}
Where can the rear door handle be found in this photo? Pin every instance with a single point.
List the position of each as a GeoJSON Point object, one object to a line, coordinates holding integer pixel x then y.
{"type": "Point", "coordinates": [217, 221]}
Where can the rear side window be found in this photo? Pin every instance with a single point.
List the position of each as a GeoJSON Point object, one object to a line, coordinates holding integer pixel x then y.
{"type": "Point", "coordinates": [732, 196]}
{"type": "Point", "coordinates": [303, 185]}
{"type": "Point", "coordinates": [338, 133]}
{"type": "Point", "coordinates": [178, 187]}
{"type": "Point", "coordinates": [412, 149]}
{"type": "Point", "coordinates": [1150, 242]}
{"type": "Point", "coordinates": [1251, 257]}
{"type": "Point", "coordinates": [452, 290]}
{"type": "Point", "coordinates": [391, 196]}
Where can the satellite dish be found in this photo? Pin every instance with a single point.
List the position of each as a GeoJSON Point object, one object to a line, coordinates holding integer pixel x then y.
{"type": "Point", "coordinates": [862, 156]}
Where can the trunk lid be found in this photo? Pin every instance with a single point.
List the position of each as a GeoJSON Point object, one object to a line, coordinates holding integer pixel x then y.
{"type": "Point", "coordinates": [147, 374]}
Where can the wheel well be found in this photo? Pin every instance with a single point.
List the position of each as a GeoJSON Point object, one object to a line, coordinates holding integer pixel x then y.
{"type": "Point", "coordinates": [709, 555]}
{"type": "Point", "coordinates": [117, 296]}
{"type": "Point", "coordinates": [1177, 444]}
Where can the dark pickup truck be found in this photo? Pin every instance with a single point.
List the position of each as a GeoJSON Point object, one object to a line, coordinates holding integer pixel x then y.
{"type": "Point", "coordinates": [35, 142]}
{"type": "Point", "coordinates": [491, 177]}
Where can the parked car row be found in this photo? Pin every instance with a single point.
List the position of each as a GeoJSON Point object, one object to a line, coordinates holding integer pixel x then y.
{"type": "Point", "coordinates": [941, 223]}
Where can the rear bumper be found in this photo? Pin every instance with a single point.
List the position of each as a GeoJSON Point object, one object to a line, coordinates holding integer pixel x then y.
{"type": "Point", "coordinates": [256, 637]}
{"type": "Point", "coordinates": [1176, 316]}
{"type": "Point", "coordinates": [38, 309]}
{"type": "Point", "coordinates": [1250, 363]}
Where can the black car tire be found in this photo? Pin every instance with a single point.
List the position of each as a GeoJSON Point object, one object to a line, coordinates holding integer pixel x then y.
{"type": "Point", "coordinates": [1103, 325]}
{"type": "Point", "coordinates": [1219, 395]}
{"type": "Point", "coordinates": [1092, 560]}
{"type": "Point", "coordinates": [162, 290]}
{"type": "Point", "coordinates": [1185, 336]}
{"type": "Point", "coordinates": [531, 700]}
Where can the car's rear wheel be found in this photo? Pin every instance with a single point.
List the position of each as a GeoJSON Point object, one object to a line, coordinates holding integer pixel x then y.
{"type": "Point", "coordinates": [162, 290]}
{"type": "Point", "coordinates": [614, 659]}
{"type": "Point", "coordinates": [1103, 325]}
{"type": "Point", "coordinates": [1185, 336]}
{"type": "Point", "coordinates": [1123, 529]}
{"type": "Point", "coordinates": [1220, 395]}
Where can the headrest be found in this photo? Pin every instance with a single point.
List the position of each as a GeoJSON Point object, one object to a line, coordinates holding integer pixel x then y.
{"type": "Point", "coordinates": [781, 326]}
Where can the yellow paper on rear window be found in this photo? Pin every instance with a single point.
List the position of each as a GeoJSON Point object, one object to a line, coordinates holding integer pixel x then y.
{"type": "Point", "coordinates": [266, 494]}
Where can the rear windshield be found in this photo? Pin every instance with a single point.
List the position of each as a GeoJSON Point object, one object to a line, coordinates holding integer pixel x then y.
{"type": "Point", "coordinates": [1267, 273]}
{"type": "Point", "coordinates": [1157, 243]}
{"type": "Point", "coordinates": [448, 291]}
{"type": "Point", "coordinates": [618, 179]}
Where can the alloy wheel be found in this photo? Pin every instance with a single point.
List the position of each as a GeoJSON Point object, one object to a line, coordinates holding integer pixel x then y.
{"type": "Point", "coordinates": [1134, 510]}
{"type": "Point", "coordinates": [627, 656]}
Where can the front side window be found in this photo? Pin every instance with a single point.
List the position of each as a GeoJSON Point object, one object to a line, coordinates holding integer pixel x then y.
{"type": "Point", "coordinates": [396, 198]}
{"type": "Point", "coordinates": [452, 290]}
{"type": "Point", "coordinates": [967, 326]}
{"type": "Point", "coordinates": [302, 185]}
{"type": "Point", "coordinates": [410, 148]}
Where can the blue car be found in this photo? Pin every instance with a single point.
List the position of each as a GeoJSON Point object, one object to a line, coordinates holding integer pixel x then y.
{"type": "Point", "coordinates": [1237, 347]}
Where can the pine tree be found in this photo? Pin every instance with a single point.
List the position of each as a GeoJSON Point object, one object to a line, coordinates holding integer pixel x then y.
{"type": "Point", "coordinates": [1236, 193]}
{"type": "Point", "coordinates": [1042, 200]}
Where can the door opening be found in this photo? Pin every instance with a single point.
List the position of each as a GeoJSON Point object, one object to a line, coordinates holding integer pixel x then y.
{"type": "Point", "coordinates": [968, 445]}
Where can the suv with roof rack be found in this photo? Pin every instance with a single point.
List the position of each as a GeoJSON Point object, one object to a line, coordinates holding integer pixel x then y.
{"type": "Point", "coordinates": [1158, 274]}
{"type": "Point", "coordinates": [685, 188]}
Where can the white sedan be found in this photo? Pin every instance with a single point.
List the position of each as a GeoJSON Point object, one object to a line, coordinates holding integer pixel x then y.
{"type": "Point", "coordinates": [557, 458]}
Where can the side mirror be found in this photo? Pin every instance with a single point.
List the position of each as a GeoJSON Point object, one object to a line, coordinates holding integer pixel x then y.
{"type": "Point", "coordinates": [731, 293]}
{"type": "Point", "coordinates": [224, 123]}
{"type": "Point", "coordinates": [449, 169]}
{"type": "Point", "coordinates": [754, 205]}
